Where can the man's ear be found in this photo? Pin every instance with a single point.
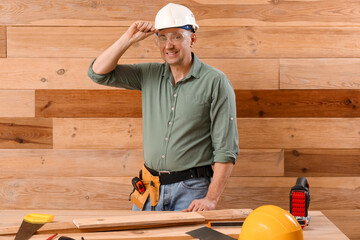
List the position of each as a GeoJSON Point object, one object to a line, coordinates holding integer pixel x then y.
{"type": "Point", "coordinates": [193, 39]}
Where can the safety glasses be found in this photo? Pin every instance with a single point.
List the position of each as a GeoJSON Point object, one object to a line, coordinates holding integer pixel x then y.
{"type": "Point", "coordinates": [174, 38]}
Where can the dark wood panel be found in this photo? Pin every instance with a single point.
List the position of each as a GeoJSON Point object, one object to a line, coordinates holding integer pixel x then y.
{"type": "Point", "coordinates": [207, 13]}
{"type": "Point", "coordinates": [25, 133]}
{"type": "Point", "coordinates": [233, 42]}
{"type": "Point", "coordinates": [87, 103]}
{"type": "Point", "coordinates": [249, 103]}
{"type": "Point", "coordinates": [298, 103]}
{"type": "Point", "coordinates": [322, 163]}
{"type": "Point", "coordinates": [2, 41]}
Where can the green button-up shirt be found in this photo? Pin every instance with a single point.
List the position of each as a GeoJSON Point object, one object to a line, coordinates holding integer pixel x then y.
{"type": "Point", "coordinates": [188, 124]}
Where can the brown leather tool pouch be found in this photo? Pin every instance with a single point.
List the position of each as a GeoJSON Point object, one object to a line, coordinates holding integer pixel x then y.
{"type": "Point", "coordinates": [152, 188]}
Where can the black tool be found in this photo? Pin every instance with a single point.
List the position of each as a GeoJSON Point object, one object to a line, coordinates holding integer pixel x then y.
{"type": "Point", "coordinates": [300, 201]}
{"type": "Point", "coordinates": [206, 233]}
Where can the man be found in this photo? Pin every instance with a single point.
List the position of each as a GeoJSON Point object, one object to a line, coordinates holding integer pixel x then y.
{"type": "Point", "coordinates": [189, 113]}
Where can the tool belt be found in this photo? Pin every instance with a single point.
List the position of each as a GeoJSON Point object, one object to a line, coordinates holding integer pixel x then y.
{"type": "Point", "coordinates": [148, 183]}
{"type": "Point", "coordinates": [173, 177]}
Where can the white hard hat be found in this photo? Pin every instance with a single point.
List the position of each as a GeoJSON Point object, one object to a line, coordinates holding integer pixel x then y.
{"type": "Point", "coordinates": [175, 15]}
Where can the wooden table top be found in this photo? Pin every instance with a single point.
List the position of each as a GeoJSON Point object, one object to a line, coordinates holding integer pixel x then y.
{"type": "Point", "coordinates": [320, 227]}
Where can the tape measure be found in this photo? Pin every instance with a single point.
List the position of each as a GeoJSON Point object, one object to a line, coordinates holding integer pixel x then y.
{"type": "Point", "coordinates": [300, 201]}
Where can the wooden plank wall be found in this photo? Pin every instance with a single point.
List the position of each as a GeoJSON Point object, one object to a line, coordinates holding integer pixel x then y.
{"type": "Point", "coordinates": [67, 143]}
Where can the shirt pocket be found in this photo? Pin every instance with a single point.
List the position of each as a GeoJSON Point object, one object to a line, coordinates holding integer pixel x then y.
{"type": "Point", "coordinates": [193, 107]}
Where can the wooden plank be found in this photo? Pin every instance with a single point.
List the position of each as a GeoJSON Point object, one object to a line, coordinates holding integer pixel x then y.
{"type": "Point", "coordinates": [346, 220]}
{"type": "Point", "coordinates": [322, 163]}
{"type": "Point", "coordinates": [326, 192]}
{"type": "Point", "coordinates": [67, 225]}
{"type": "Point", "coordinates": [100, 133]}
{"type": "Point", "coordinates": [25, 133]}
{"type": "Point", "coordinates": [88, 103]}
{"type": "Point", "coordinates": [116, 162]}
{"type": "Point", "coordinates": [73, 163]}
{"type": "Point", "coordinates": [249, 103]}
{"type": "Point", "coordinates": [234, 42]}
{"type": "Point", "coordinates": [297, 133]}
{"type": "Point", "coordinates": [71, 73]}
{"type": "Point", "coordinates": [113, 192]}
{"type": "Point", "coordinates": [297, 103]}
{"type": "Point", "coordinates": [320, 229]}
{"type": "Point", "coordinates": [144, 222]}
{"type": "Point", "coordinates": [46, 73]}
{"type": "Point", "coordinates": [2, 42]}
{"type": "Point", "coordinates": [259, 162]}
{"type": "Point", "coordinates": [254, 133]}
{"type": "Point", "coordinates": [17, 103]}
{"type": "Point", "coordinates": [320, 73]}
{"type": "Point", "coordinates": [207, 13]}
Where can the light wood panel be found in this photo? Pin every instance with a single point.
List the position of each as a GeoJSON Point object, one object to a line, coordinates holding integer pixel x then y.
{"type": "Point", "coordinates": [2, 42]}
{"type": "Point", "coordinates": [22, 163]}
{"type": "Point", "coordinates": [207, 13]}
{"type": "Point", "coordinates": [326, 192]}
{"type": "Point", "coordinates": [73, 163]}
{"type": "Point", "coordinates": [298, 103]}
{"type": "Point", "coordinates": [25, 133]}
{"type": "Point", "coordinates": [299, 133]}
{"type": "Point", "coordinates": [88, 103]}
{"type": "Point", "coordinates": [18, 103]}
{"type": "Point", "coordinates": [113, 192]}
{"type": "Point", "coordinates": [233, 42]}
{"type": "Point", "coordinates": [71, 73]}
{"type": "Point", "coordinates": [322, 163]}
{"type": "Point", "coordinates": [125, 133]}
{"type": "Point", "coordinates": [259, 162]}
{"type": "Point", "coordinates": [268, 133]}
{"type": "Point", "coordinates": [324, 73]}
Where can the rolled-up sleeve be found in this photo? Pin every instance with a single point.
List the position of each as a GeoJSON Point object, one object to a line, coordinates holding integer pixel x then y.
{"type": "Point", "coordinates": [123, 76]}
{"type": "Point", "coordinates": [224, 132]}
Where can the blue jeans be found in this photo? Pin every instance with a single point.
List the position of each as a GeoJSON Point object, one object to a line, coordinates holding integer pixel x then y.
{"type": "Point", "coordinates": [178, 196]}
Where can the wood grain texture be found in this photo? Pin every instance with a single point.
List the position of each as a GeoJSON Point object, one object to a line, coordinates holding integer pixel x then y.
{"type": "Point", "coordinates": [249, 103]}
{"type": "Point", "coordinates": [25, 133]}
{"type": "Point", "coordinates": [322, 163]}
{"type": "Point", "coordinates": [113, 162]}
{"type": "Point", "coordinates": [234, 42]}
{"type": "Point", "coordinates": [73, 163]}
{"type": "Point", "coordinates": [326, 192]}
{"type": "Point", "coordinates": [296, 133]}
{"type": "Point", "coordinates": [100, 133]}
{"type": "Point", "coordinates": [17, 103]}
{"type": "Point", "coordinates": [346, 220]}
{"type": "Point", "coordinates": [46, 73]}
{"type": "Point", "coordinates": [207, 13]}
{"type": "Point", "coordinates": [71, 73]}
{"type": "Point", "coordinates": [267, 133]}
{"type": "Point", "coordinates": [2, 42]}
{"type": "Point", "coordinates": [324, 73]}
{"type": "Point", "coordinates": [113, 192]}
{"type": "Point", "coordinates": [259, 162]}
{"type": "Point", "coordinates": [298, 103]}
{"type": "Point", "coordinates": [88, 103]}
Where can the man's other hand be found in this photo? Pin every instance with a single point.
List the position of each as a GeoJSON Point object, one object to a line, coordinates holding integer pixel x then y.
{"type": "Point", "coordinates": [203, 204]}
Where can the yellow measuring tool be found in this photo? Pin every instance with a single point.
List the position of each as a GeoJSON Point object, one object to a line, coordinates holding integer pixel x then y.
{"type": "Point", "coordinates": [31, 223]}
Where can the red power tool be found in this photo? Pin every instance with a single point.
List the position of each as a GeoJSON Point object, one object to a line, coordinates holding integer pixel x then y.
{"type": "Point", "coordinates": [300, 201]}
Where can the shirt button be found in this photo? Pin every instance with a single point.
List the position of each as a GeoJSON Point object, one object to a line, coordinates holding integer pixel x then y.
{"type": "Point", "coordinates": [166, 139]}
{"type": "Point", "coordinates": [170, 123]}
{"type": "Point", "coordinates": [231, 118]}
{"type": "Point", "coordinates": [172, 108]}
{"type": "Point", "coordinates": [175, 95]}
{"type": "Point", "coordinates": [163, 156]}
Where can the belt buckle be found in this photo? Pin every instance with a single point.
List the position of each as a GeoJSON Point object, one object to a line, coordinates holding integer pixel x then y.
{"type": "Point", "coordinates": [160, 172]}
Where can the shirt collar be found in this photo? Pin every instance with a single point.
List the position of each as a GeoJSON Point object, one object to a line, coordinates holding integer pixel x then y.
{"type": "Point", "coordinates": [194, 71]}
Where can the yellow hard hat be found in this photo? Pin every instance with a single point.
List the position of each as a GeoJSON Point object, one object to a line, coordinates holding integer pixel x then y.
{"type": "Point", "coordinates": [270, 223]}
